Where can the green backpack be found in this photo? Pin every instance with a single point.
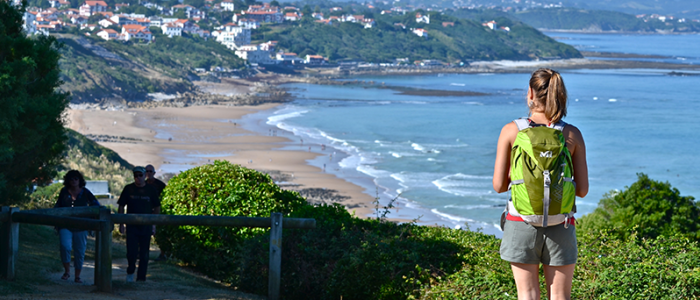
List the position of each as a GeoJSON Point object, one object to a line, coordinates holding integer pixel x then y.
{"type": "Point", "coordinates": [542, 188]}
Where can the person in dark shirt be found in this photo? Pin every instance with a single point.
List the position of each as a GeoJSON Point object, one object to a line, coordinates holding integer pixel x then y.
{"type": "Point", "coordinates": [73, 194]}
{"type": "Point", "coordinates": [138, 198]}
{"type": "Point", "coordinates": [160, 186]}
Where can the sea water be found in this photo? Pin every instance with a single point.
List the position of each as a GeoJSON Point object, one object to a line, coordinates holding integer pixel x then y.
{"type": "Point", "coordinates": [434, 155]}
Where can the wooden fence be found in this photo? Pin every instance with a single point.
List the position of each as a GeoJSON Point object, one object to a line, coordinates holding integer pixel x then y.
{"type": "Point", "coordinates": [101, 220]}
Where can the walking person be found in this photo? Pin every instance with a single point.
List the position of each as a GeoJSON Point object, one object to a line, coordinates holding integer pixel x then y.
{"type": "Point", "coordinates": [538, 225]}
{"type": "Point", "coordinates": [160, 186]}
{"type": "Point", "coordinates": [73, 194]}
{"type": "Point", "coordinates": [138, 198]}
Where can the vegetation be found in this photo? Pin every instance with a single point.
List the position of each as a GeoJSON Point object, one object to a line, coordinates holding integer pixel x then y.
{"type": "Point", "coordinates": [385, 41]}
{"type": "Point", "coordinates": [355, 258]}
{"type": "Point", "coordinates": [93, 161]}
{"type": "Point", "coordinates": [221, 189]}
{"type": "Point", "coordinates": [650, 208]}
{"type": "Point", "coordinates": [31, 128]}
{"type": "Point", "coordinates": [599, 20]}
{"type": "Point", "coordinates": [94, 68]}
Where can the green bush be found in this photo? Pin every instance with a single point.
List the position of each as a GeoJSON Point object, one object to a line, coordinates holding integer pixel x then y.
{"type": "Point", "coordinates": [607, 268]}
{"type": "Point", "coordinates": [352, 258]}
{"type": "Point", "coordinates": [220, 189]}
{"type": "Point", "coordinates": [650, 207]}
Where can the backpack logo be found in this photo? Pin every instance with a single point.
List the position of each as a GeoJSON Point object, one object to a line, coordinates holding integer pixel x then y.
{"type": "Point", "coordinates": [546, 154]}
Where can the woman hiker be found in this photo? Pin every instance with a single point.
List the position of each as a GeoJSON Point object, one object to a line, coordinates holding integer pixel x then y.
{"type": "Point", "coordinates": [526, 244]}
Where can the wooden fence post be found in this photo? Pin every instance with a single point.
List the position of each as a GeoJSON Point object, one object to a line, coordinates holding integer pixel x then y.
{"type": "Point", "coordinates": [104, 214]}
{"type": "Point", "coordinates": [103, 279]}
{"type": "Point", "coordinates": [273, 289]}
{"type": "Point", "coordinates": [9, 236]}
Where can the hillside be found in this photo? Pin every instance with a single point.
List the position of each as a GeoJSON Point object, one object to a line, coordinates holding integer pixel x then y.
{"type": "Point", "coordinates": [600, 20]}
{"type": "Point", "coordinates": [96, 69]}
{"type": "Point", "coordinates": [457, 40]}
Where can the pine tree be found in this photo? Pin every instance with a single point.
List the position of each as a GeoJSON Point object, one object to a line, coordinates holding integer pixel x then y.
{"type": "Point", "coordinates": [32, 134]}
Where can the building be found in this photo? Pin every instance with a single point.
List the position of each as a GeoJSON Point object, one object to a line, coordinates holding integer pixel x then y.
{"type": "Point", "coordinates": [108, 34]}
{"type": "Point", "coordinates": [420, 32]}
{"type": "Point", "coordinates": [171, 29]}
{"type": "Point", "coordinates": [254, 54]}
{"type": "Point", "coordinates": [264, 16]}
{"type": "Point", "coordinates": [92, 7]}
{"type": "Point", "coordinates": [292, 16]}
{"type": "Point", "coordinates": [490, 24]}
{"type": "Point", "coordinates": [227, 5]}
{"type": "Point", "coordinates": [233, 36]}
{"type": "Point", "coordinates": [138, 32]}
{"type": "Point", "coordinates": [315, 60]}
{"type": "Point", "coordinates": [248, 23]}
{"type": "Point", "coordinates": [422, 18]}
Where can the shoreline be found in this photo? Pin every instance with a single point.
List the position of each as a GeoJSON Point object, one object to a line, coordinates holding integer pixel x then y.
{"type": "Point", "coordinates": [584, 31]}
{"type": "Point", "coordinates": [176, 139]}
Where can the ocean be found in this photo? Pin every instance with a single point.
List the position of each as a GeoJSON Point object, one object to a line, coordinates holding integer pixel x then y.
{"type": "Point", "coordinates": [433, 156]}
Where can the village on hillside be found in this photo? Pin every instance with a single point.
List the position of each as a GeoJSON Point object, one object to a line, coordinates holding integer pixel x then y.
{"type": "Point", "coordinates": [96, 17]}
{"type": "Point", "coordinates": [99, 19]}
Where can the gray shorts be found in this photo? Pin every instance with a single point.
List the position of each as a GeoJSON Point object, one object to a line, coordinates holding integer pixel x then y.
{"type": "Point", "coordinates": [527, 244]}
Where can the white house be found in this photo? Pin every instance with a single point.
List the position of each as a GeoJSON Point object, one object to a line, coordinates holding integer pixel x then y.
{"type": "Point", "coordinates": [227, 5]}
{"type": "Point", "coordinates": [422, 18]}
{"type": "Point", "coordinates": [234, 36]}
{"type": "Point", "coordinates": [292, 16]}
{"type": "Point", "coordinates": [104, 23]}
{"type": "Point", "coordinates": [92, 7]}
{"type": "Point", "coordinates": [135, 31]}
{"type": "Point", "coordinates": [254, 54]}
{"type": "Point", "coordinates": [248, 23]}
{"type": "Point", "coordinates": [108, 34]}
{"type": "Point", "coordinates": [420, 32]}
{"type": "Point", "coordinates": [490, 24]}
{"type": "Point", "coordinates": [288, 57]}
{"type": "Point", "coordinates": [314, 60]}
{"type": "Point", "coordinates": [29, 25]}
{"type": "Point", "coordinates": [171, 29]}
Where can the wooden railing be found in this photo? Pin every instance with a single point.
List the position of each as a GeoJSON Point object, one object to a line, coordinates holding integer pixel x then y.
{"type": "Point", "coordinates": [101, 220]}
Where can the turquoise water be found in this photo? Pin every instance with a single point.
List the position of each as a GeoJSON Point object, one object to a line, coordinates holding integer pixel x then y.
{"type": "Point", "coordinates": [435, 154]}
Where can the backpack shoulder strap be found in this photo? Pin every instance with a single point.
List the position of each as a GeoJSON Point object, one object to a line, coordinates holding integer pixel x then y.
{"type": "Point", "coordinates": [559, 125]}
{"type": "Point", "coordinates": [522, 123]}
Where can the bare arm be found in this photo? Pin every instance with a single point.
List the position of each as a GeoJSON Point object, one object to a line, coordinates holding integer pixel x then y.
{"type": "Point", "coordinates": [577, 147]}
{"type": "Point", "coordinates": [501, 169]}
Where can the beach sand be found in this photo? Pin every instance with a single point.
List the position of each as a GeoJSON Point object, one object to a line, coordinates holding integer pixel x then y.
{"type": "Point", "coordinates": [173, 139]}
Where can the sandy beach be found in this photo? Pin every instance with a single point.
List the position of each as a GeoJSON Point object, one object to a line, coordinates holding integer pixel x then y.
{"type": "Point", "coordinates": [175, 139]}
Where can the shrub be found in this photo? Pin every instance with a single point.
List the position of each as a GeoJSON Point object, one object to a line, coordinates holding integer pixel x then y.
{"type": "Point", "coordinates": [220, 189]}
{"type": "Point", "coordinates": [652, 207]}
{"type": "Point", "coordinates": [352, 258]}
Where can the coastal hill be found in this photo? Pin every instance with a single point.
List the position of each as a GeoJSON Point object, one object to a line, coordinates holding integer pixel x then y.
{"type": "Point", "coordinates": [447, 38]}
{"type": "Point", "coordinates": [93, 68]}
{"type": "Point", "coordinates": [601, 20]}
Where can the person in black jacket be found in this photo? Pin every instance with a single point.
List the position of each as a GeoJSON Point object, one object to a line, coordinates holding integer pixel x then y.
{"type": "Point", "coordinates": [74, 194]}
{"type": "Point", "coordinates": [138, 198]}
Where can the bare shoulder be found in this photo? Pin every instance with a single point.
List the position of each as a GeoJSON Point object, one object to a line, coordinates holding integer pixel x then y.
{"type": "Point", "coordinates": [574, 138]}
{"type": "Point", "coordinates": [509, 131]}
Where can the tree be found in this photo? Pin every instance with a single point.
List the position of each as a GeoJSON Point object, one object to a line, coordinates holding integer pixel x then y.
{"type": "Point", "coordinates": [32, 135]}
{"type": "Point", "coordinates": [649, 207]}
{"type": "Point", "coordinates": [274, 3]}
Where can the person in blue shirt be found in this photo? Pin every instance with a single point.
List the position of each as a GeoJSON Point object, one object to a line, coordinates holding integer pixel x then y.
{"type": "Point", "coordinates": [73, 194]}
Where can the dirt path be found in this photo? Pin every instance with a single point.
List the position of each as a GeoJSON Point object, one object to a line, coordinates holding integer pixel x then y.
{"type": "Point", "coordinates": [192, 286]}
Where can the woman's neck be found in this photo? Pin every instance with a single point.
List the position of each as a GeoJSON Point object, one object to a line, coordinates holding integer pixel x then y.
{"type": "Point", "coordinates": [74, 189]}
{"type": "Point", "coordinates": [539, 118]}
